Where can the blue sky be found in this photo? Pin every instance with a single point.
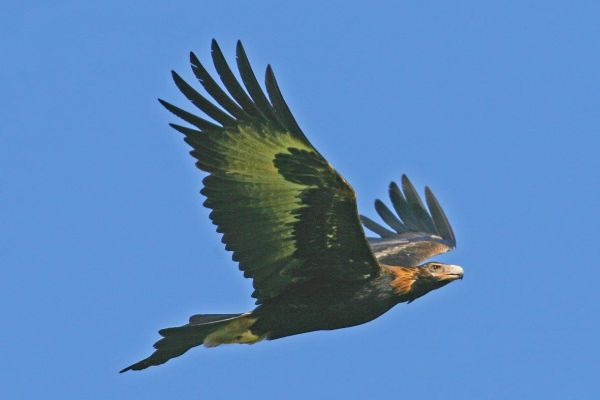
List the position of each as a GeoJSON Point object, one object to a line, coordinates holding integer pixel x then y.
{"type": "Point", "coordinates": [104, 239]}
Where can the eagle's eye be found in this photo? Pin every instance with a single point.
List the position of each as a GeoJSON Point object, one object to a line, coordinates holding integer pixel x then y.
{"type": "Point", "coordinates": [435, 267]}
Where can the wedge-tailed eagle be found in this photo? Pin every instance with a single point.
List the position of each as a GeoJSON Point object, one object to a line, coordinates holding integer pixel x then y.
{"type": "Point", "coordinates": [292, 223]}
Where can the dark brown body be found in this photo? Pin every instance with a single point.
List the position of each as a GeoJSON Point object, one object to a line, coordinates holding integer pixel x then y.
{"type": "Point", "coordinates": [306, 308]}
{"type": "Point", "coordinates": [326, 307]}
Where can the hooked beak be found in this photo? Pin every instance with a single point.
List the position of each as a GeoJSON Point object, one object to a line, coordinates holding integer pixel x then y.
{"type": "Point", "coordinates": [453, 273]}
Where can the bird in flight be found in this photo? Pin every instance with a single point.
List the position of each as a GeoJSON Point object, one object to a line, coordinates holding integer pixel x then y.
{"type": "Point", "coordinates": [292, 223]}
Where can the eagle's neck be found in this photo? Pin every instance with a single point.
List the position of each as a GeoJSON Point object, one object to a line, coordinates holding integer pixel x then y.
{"type": "Point", "coordinates": [405, 283]}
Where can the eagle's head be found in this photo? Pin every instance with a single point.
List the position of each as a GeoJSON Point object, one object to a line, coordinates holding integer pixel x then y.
{"type": "Point", "coordinates": [410, 283]}
{"type": "Point", "coordinates": [440, 274]}
{"type": "Point", "coordinates": [434, 275]}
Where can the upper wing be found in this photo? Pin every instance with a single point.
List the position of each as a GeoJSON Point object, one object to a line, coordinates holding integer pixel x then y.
{"type": "Point", "coordinates": [286, 214]}
{"type": "Point", "coordinates": [418, 234]}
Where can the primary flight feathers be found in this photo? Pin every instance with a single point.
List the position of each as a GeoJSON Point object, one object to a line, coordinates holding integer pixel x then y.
{"type": "Point", "coordinates": [418, 234]}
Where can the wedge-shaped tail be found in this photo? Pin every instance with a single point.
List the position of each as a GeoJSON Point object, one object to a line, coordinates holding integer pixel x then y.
{"type": "Point", "coordinates": [208, 329]}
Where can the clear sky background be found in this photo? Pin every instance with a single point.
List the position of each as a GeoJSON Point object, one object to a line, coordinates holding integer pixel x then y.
{"type": "Point", "coordinates": [104, 239]}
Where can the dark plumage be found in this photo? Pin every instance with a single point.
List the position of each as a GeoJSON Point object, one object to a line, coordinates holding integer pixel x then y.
{"type": "Point", "coordinates": [292, 224]}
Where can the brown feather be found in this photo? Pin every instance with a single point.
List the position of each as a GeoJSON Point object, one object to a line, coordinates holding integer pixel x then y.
{"type": "Point", "coordinates": [403, 278]}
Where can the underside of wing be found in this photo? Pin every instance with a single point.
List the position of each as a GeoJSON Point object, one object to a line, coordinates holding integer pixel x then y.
{"type": "Point", "coordinates": [284, 212]}
{"type": "Point", "coordinates": [418, 233]}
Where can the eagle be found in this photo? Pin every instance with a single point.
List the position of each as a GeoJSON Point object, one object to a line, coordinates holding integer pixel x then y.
{"type": "Point", "coordinates": [292, 222]}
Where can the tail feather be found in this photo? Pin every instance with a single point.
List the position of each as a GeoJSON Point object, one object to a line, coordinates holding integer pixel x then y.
{"type": "Point", "coordinates": [208, 329]}
{"type": "Point", "coordinates": [206, 318]}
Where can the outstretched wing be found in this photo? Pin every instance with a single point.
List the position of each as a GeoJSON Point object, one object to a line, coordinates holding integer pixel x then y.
{"type": "Point", "coordinates": [286, 214]}
{"type": "Point", "coordinates": [418, 234]}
